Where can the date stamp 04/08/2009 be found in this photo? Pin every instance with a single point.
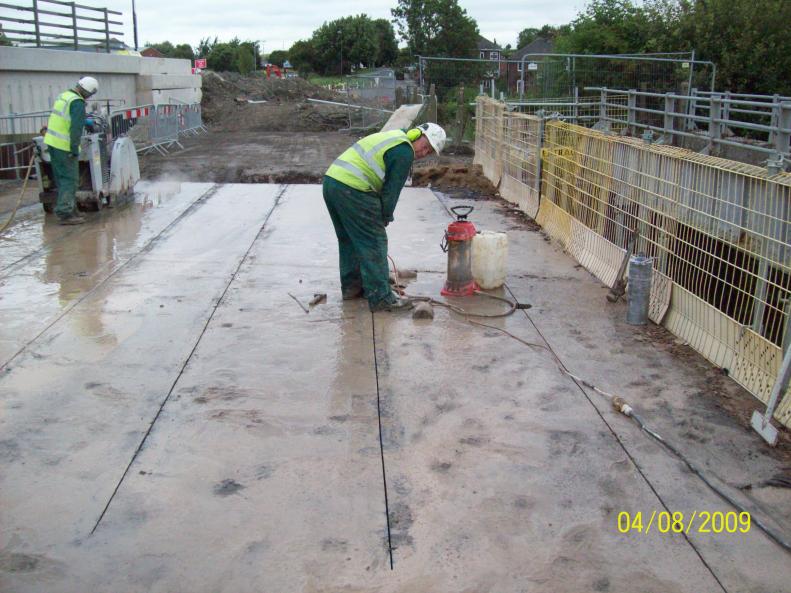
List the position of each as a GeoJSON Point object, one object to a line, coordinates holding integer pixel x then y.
{"type": "Point", "coordinates": [677, 522]}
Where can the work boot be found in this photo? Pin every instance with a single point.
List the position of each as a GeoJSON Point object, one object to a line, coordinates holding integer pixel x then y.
{"type": "Point", "coordinates": [352, 292]}
{"type": "Point", "coordinates": [395, 303]}
{"type": "Point", "coordinates": [75, 219]}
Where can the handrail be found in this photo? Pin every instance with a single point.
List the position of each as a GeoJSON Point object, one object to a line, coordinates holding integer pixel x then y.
{"type": "Point", "coordinates": [40, 33]}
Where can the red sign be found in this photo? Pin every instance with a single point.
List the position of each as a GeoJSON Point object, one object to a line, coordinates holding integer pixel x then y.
{"type": "Point", "coordinates": [200, 62]}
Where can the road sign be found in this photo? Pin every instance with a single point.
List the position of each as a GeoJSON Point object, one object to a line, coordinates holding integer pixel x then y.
{"type": "Point", "coordinates": [200, 63]}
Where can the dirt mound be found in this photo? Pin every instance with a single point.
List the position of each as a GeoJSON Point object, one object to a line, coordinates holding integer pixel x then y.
{"type": "Point", "coordinates": [232, 102]}
{"type": "Point", "coordinates": [448, 178]}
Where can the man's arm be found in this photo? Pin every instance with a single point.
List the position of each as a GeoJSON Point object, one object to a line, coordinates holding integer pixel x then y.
{"type": "Point", "coordinates": [77, 113]}
{"type": "Point", "coordinates": [398, 161]}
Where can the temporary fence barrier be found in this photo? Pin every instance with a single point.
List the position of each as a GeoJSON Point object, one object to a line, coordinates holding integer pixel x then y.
{"type": "Point", "coordinates": [586, 111]}
{"type": "Point", "coordinates": [157, 127]}
{"type": "Point", "coordinates": [16, 131]}
{"type": "Point", "coordinates": [719, 231]}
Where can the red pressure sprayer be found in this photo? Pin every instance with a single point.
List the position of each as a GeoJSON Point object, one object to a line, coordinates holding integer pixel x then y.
{"type": "Point", "coordinates": [458, 245]}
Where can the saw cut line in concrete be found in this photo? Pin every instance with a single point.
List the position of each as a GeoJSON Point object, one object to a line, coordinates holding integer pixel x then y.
{"type": "Point", "coordinates": [603, 419]}
{"type": "Point", "coordinates": [618, 440]}
{"type": "Point", "coordinates": [147, 247]}
{"type": "Point", "coordinates": [67, 233]}
{"type": "Point", "coordinates": [381, 442]}
{"type": "Point", "coordinates": [10, 267]}
{"type": "Point", "coordinates": [278, 197]}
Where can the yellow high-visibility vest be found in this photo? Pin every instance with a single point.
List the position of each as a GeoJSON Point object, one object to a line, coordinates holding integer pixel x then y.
{"type": "Point", "coordinates": [362, 166]}
{"type": "Point", "coordinates": [59, 126]}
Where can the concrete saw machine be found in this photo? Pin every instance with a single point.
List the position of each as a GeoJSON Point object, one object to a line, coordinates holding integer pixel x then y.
{"type": "Point", "coordinates": [108, 169]}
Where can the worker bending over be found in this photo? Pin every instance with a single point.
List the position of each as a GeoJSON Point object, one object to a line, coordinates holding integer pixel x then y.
{"type": "Point", "coordinates": [361, 190]}
{"type": "Point", "coordinates": [64, 132]}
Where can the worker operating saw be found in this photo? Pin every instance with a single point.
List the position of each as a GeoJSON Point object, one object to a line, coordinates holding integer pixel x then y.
{"type": "Point", "coordinates": [361, 190]}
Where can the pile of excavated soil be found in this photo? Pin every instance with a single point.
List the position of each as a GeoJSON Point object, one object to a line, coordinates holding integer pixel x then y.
{"type": "Point", "coordinates": [453, 177]}
{"type": "Point", "coordinates": [232, 102]}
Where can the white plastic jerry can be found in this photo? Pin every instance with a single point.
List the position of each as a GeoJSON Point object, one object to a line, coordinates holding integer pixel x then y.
{"type": "Point", "coordinates": [489, 258]}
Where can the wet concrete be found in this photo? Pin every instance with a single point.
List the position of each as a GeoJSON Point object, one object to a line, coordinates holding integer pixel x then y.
{"type": "Point", "coordinates": [183, 425]}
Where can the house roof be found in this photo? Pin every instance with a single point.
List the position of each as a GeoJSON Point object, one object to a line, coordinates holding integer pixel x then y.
{"type": "Point", "coordinates": [152, 52]}
{"type": "Point", "coordinates": [540, 45]}
{"type": "Point", "coordinates": [484, 43]}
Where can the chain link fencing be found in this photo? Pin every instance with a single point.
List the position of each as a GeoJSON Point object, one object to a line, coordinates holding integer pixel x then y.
{"type": "Point", "coordinates": [719, 230]}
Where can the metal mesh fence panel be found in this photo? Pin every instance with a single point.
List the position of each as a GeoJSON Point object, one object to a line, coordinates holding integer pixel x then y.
{"type": "Point", "coordinates": [718, 231]}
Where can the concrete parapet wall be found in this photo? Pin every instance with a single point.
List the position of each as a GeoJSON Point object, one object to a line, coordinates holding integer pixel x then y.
{"type": "Point", "coordinates": [31, 78]}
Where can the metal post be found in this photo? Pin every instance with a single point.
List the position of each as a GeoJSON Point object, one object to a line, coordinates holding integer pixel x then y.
{"type": "Point", "coordinates": [134, 23]}
{"type": "Point", "coordinates": [74, 26]}
{"type": "Point", "coordinates": [669, 120]}
{"type": "Point", "coordinates": [603, 106]}
{"type": "Point", "coordinates": [576, 107]}
{"type": "Point", "coordinates": [539, 148]}
{"type": "Point", "coordinates": [522, 92]}
{"type": "Point", "coordinates": [726, 113]}
{"type": "Point", "coordinates": [775, 119]}
{"type": "Point", "coordinates": [715, 115]}
{"type": "Point", "coordinates": [691, 70]}
{"type": "Point", "coordinates": [787, 327]}
{"type": "Point", "coordinates": [13, 146]}
{"type": "Point", "coordinates": [35, 23]}
{"type": "Point", "coordinates": [632, 112]}
{"type": "Point", "coordinates": [106, 31]}
{"type": "Point", "coordinates": [493, 90]}
{"type": "Point", "coordinates": [692, 109]}
{"type": "Point", "coordinates": [760, 297]}
{"type": "Point", "coordinates": [783, 142]}
{"type": "Point", "coordinates": [762, 423]}
{"type": "Point", "coordinates": [460, 108]}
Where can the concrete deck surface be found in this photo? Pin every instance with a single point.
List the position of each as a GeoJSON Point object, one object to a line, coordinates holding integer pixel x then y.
{"type": "Point", "coordinates": [171, 420]}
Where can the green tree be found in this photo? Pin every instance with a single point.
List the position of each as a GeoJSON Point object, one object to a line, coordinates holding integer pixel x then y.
{"type": "Point", "coordinates": [167, 49]}
{"type": "Point", "coordinates": [606, 27]}
{"type": "Point", "coordinates": [277, 57]}
{"type": "Point", "coordinates": [302, 55]}
{"type": "Point", "coordinates": [183, 51]}
{"type": "Point", "coordinates": [436, 28]}
{"type": "Point", "coordinates": [205, 46]}
{"type": "Point", "coordinates": [526, 36]}
{"type": "Point", "coordinates": [748, 40]}
{"type": "Point", "coordinates": [530, 34]}
{"type": "Point", "coordinates": [245, 60]}
{"type": "Point", "coordinates": [343, 43]}
{"type": "Point", "coordinates": [386, 41]}
{"type": "Point", "coordinates": [222, 58]}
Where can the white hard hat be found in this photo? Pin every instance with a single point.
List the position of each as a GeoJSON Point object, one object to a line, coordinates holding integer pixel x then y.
{"type": "Point", "coordinates": [435, 135]}
{"type": "Point", "coordinates": [89, 84]}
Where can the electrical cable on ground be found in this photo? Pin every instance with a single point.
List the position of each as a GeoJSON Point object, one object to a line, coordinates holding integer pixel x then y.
{"type": "Point", "coordinates": [513, 305]}
{"type": "Point", "coordinates": [8, 222]}
{"type": "Point", "coordinates": [618, 403]}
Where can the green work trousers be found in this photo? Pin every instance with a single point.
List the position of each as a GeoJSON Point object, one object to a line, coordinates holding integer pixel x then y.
{"type": "Point", "coordinates": [66, 170]}
{"type": "Point", "coordinates": [362, 240]}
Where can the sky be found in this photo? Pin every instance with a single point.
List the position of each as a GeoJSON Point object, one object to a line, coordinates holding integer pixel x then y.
{"type": "Point", "coordinates": [278, 24]}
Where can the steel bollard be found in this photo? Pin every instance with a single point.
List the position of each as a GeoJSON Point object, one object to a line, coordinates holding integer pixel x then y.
{"type": "Point", "coordinates": [641, 269]}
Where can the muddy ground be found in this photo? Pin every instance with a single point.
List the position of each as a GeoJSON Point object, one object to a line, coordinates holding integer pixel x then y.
{"type": "Point", "coordinates": [234, 103]}
{"type": "Point", "coordinates": [288, 157]}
